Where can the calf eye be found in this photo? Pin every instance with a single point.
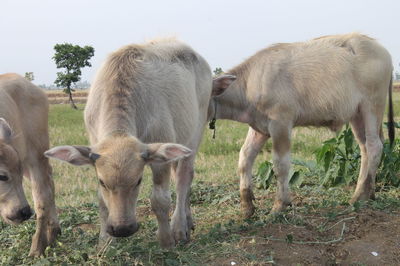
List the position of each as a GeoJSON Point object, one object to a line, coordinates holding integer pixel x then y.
{"type": "Point", "coordinates": [3, 178]}
{"type": "Point", "coordinates": [102, 183]}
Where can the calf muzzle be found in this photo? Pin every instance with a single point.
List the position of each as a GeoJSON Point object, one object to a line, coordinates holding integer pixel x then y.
{"type": "Point", "coordinates": [122, 230]}
{"type": "Point", "coordinates": [21, 215]}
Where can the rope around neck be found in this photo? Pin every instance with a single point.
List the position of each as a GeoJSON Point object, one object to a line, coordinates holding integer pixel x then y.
{"type": "Point", "coordinates": [213, 121]}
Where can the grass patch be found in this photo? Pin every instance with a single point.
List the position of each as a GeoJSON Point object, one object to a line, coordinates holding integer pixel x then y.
{"type": "Point", "coordinates": [221, 235]}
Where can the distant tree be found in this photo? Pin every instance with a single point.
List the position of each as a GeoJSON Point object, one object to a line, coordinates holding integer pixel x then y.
{"type": "Point", "coordinates": [29, 76]}
{"type": "Point", "coordinates": [397, 76]}
{"type": "Point", "coordinates": [72, 58]}
{"type": "Point", "coordinates": [218, 71]}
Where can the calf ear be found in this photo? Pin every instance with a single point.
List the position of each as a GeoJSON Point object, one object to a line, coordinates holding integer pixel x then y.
{"type": "Point", "coordinates": [75, 155]}
{"type": "Point", "coordinates": [5, 130]}
{"type": "Point", "coordinates": [165, 153]}
{"type": "Point", "coordinates": [221, 83]}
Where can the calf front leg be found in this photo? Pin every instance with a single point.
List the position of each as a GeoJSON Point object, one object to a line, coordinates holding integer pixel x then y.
{"type": "Point", "coordinates": [47, 225]}
{"type": "Point", "coordinates": [182, 222]}
{"type": "Point", "coordinates": [280, 134]}
{"type": "Point", "coordinates": [248, 153]}
{"type": "Point", "coordinates": [161, 202]}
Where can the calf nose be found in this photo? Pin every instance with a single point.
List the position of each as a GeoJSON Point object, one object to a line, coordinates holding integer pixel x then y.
{"type": "Point", "coordinates": [25, 213]}
{"type": "Point", "coordinates": [122, 230]}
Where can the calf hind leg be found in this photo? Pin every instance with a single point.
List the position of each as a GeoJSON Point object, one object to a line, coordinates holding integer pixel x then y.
{"type": "Point", "coordinates": [248, 153]}
{"type": "Point", "coordinates": [368, 132]}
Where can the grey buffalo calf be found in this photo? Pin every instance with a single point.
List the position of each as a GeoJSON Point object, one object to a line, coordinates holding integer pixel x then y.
{"type": "Point", "coordinates": [328, 81]}
{"type": "Point", "coordinates": [147, 106]}
{"type": "Point", "coordinates": [23, 140]}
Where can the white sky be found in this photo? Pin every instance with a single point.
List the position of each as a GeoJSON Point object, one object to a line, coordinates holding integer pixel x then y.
{"type": "Point", "coordinates": [223, 32]}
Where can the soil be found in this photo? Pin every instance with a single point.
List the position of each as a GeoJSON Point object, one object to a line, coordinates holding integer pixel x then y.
{"type": "Point", "coordinates": [368, 238]}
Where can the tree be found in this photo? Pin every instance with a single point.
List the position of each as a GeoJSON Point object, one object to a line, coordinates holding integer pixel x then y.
{"type": "Point", "coordinates": [72, 58]}
{"type": "Point", "coordinates": [217, 71]}
{"type": "Point", "coordinates": [397, 76]}
{"type": "Point", "coordinates": [29, 76]}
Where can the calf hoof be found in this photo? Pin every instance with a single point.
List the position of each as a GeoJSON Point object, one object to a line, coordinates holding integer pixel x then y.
{"type": "Point", "coordinates": [181, 228]}
{"type": "Point", "coordinates": [52, 234]}
{"type": "Point", "coordinates": [279, 206]}
{"type": "Point", "coordinates": [181, 235]}
{"type": "Point", "coordinates": [39, 243]}
{"type": "Point", "coordinates": [190, 223]}
{"type": "Point", "coordinates": [167, 243]}
{"type": "Point", "coordinates": [37, 251]}
{"type": "Point", "coordinates": [246, 202]}
{"type": "Point", "coordinates": [372, 196]}
{"type": "Point", "coordinates": [361, 197]}
{"type": "Point", "coordinates": [247, 209]}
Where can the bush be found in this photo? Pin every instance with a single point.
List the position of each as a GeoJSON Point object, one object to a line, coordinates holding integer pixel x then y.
{"type": "Point", "coordinates": [338, 162]}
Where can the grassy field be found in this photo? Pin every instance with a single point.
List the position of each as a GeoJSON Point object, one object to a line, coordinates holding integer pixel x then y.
{"type": "Point", "coordinates": [316, 229]}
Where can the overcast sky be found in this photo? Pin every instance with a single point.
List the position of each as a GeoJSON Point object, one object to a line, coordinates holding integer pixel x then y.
{"type": "Point", "coordinates": [223, 32]}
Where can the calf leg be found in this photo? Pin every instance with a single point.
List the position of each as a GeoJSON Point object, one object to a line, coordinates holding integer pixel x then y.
{"type": "Point", "coordinates": [248, 153]}
{"type": "Point", "coordinates": [365, 188]}
{"type": "Point", "coordinates": [280, 134]}
{"type": "Point", "coordinates": [47, 225]}
{"type": "Point", "coordinates": [358, 128]}
{"type": "Point", "coordinates": [182, 222]}
{"type": "Point", "coordinates": [160, 203]}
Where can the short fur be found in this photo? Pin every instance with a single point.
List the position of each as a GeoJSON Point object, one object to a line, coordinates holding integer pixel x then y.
{"type": "Point", "coordinates": [145, 103]}
{"type": "Point", "coordinates": [25, 108]}
{"type": "Point", "coordinates": [327, 81]}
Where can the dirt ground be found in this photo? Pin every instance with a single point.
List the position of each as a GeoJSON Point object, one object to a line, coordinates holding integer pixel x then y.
{"type": "Point", "coordinates": [364, 238]}
{"type": "Point", "coordinates": [62, 98]}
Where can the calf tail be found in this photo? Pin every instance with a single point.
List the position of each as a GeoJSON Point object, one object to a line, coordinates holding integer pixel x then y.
{"type": "Point", "coordinates": [390, 124]}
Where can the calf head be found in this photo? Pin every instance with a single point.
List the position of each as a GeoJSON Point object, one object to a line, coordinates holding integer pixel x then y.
{"type": "Point", "coordinates": [14, 207]}
{"type": "Point", "coordinates": [119, 162]}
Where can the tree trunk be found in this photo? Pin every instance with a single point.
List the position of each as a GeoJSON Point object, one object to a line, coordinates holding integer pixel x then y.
{"type": "Point", "coordinates": [71, 101]}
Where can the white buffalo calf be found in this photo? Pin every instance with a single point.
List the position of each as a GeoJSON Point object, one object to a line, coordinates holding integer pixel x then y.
{"type": "Point", "coordinates": [23, 140]}
{"type": "Point", "coordinates": [147, 106]}
{"type": "Point", "coordinates": [328, 81]}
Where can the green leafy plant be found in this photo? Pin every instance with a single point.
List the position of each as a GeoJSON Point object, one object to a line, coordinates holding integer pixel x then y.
{"type": "Point", "coordinates": [339, 158]}
{"type": "Point", "coordinates": [265, 174]}
{"type": "Point", "coordinates": [338, 162]}
{"type": "Point", "coordinates": [388, 172]}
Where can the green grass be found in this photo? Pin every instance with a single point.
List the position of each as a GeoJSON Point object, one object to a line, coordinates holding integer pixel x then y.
{"type": "Point", "coordinates": [220, 230]}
